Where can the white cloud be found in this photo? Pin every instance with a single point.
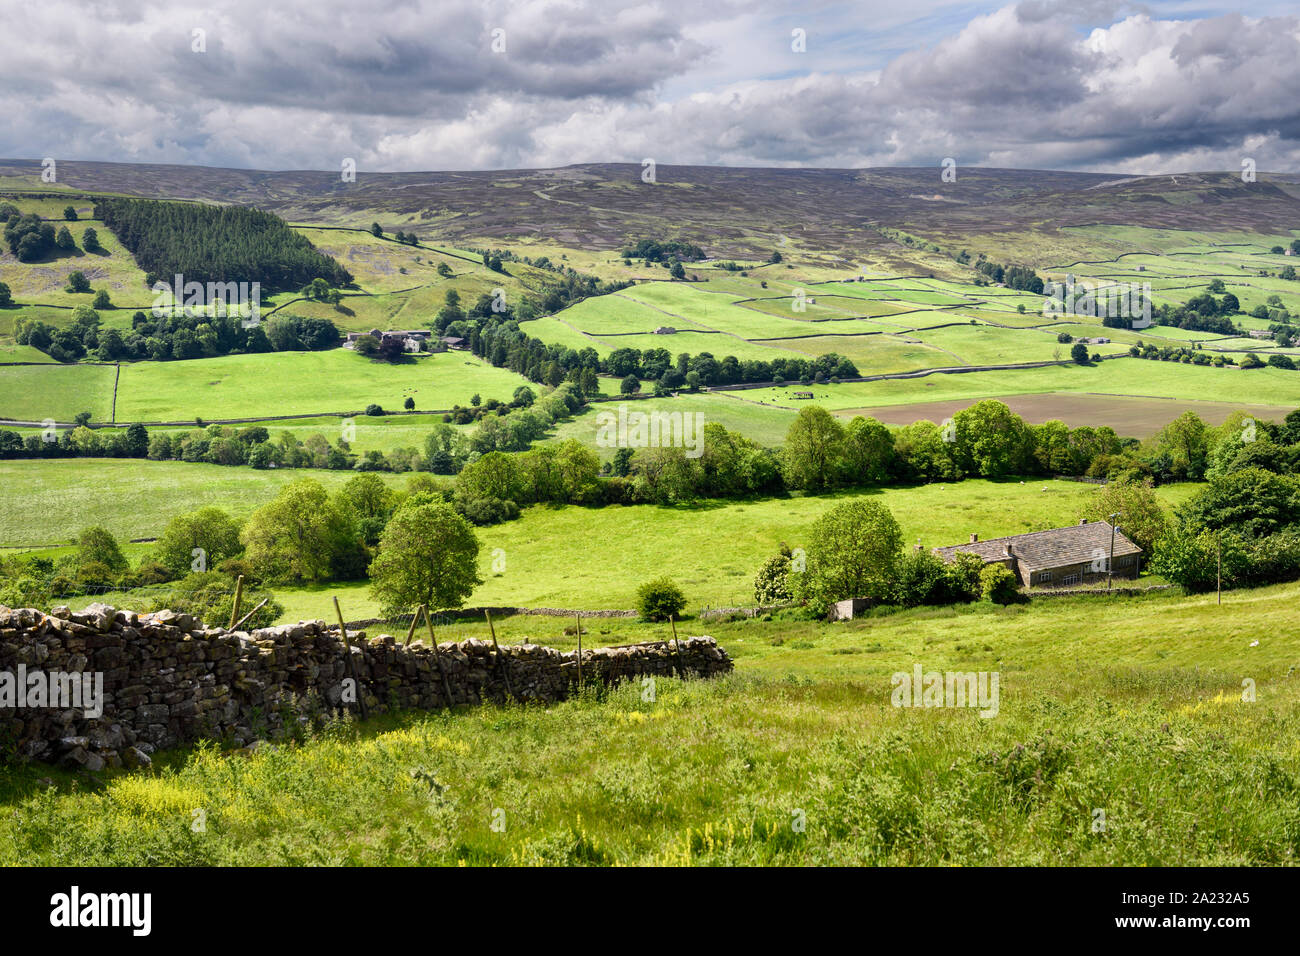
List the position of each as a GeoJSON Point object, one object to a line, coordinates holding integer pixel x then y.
{"type": "Point", "coordinates": [414, 85]}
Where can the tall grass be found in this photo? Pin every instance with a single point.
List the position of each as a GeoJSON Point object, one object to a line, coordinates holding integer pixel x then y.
{"type": "Point", "coordinates": [1128, 707]}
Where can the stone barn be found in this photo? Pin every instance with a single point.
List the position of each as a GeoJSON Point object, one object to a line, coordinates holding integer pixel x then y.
{"type": "Point", "coordinates": [1059, 557]}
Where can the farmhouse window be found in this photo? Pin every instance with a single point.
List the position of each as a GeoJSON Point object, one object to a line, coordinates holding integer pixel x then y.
{"type": "Point", "coordinates": [1070, 579]}
{"type": "Point", "coordinates": [1044, 577]}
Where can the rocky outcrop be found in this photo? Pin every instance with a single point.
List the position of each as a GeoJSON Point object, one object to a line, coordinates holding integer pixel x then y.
{"type": "Point", "coordinates": [165, 679]}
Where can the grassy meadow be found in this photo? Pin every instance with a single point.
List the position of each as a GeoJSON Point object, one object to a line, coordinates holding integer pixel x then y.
{"type": "Point", "coordinates": [1132, 706]}
{"type": "Point", "coordinates": [595, 558]}
{"type": "Point", "coordinates": [249, 386]}
{"type": "Point", "coordinates": [48, 501]}
{"type": "Point", "coordinates": [1123, 376]}
{"type": "Point", "coordinates": [59, 392]}
{"type": "Point", "coordinates": [290, 383]}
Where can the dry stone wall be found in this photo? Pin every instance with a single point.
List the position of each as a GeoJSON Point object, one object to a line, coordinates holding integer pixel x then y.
{"type": "Point", "coordinates": [166, 679]}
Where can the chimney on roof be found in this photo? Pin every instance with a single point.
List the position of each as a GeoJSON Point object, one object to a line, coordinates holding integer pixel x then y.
{"type": "Point", "coordinates": [1083, 521]}
{"type": "Point", "coordinates": [974, 537]}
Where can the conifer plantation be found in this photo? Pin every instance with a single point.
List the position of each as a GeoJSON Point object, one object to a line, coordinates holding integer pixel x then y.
{"type": "Point", "coordinates": [207, 243]}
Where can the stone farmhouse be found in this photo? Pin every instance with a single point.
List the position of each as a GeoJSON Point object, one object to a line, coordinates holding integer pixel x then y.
{"type": "Point", "coordinates": [1060, 557]}
{"type": "Point", "coordinates": [412, 339]}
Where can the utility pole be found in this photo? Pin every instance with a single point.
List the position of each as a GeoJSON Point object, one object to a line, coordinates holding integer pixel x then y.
{"type": "Point", "coordinates": [1110, 565]}
{"type": "Point", "coordinates": [1218, 569]}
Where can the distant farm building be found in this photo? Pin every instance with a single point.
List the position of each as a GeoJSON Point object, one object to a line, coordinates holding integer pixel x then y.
{"type": "Point", "coordinates": [1259, 334]}
{"type": "Point", "coordinates": [804, 395]}
{"type": "Point", "coordinates": [454, 342]}
{"type": "Point", "coordinates": [665, 330]}
{"type": "Point", "coordinates": [412, 340]}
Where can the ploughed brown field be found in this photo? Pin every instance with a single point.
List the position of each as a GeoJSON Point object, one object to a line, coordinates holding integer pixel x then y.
{"type": "Point", "coordinates": [1136, 417]}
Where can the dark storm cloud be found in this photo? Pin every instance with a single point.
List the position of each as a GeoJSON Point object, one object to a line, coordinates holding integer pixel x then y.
{"type": "Point", "coordinates": [403, 59]}
{"type": "Point", "coordinates": [401, 84]}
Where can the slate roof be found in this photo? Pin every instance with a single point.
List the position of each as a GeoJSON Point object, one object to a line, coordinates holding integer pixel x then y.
{"type": "Point", "coordinates": [1055, 548]}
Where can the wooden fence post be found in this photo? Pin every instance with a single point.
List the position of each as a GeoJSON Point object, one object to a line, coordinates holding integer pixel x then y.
{"type": "Point", "coordinates": [437, 656]}
{"type": "Point", "coordinates": [239, 597]}
{"type": "Point", "coordinates": [677, 645]}
{"type": "Point", "coordinates": [410, 631]}
{"type": "Point", "coordinates": [578, 620]}
{"type": "Point", "coordinates": [505, 671]}
{"type": "Point", "coordinates": [261, 604]}
{"type": "Point", "coordinates": [352, 667]}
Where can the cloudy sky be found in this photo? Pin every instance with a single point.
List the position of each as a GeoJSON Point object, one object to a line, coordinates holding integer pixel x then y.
{"type": "Point", "coordinates": [459, 84]}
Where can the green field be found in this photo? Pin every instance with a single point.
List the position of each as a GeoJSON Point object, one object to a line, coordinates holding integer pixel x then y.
{"type": "Point", "coordinates": [47, 502]}
{"type": "Point", "coordinates": [716, 344]}
{"type": "Point", "coordinates": [23, 354]}
{"type": "Point", "coordinates": [1129, 705]}
{"type": "Point", "coordinates": [568, 556]}
{"type": "Point", "coordinates": [249, 386]}
{"type": "Point", "coordinates": [59, 392]}
{"type": "Point", "coordinates": [595, 558]}
{"type": "Point", "coordinates": [873, 354]}
{"type": "Point", "coordinates": [44, 282]}
{"type": "Point", "coordinates": [302, 383]}
{"type": "Point", "coordinates": [555, 331]}
{"type": "Point", "coordinates": [765, 424]}
{"type": "Point", "coordinates": [1124, 376]}
{"type": "Point", "coordinates": [988, 345]}
{"type": "Point", "coordinates": [919, 324]}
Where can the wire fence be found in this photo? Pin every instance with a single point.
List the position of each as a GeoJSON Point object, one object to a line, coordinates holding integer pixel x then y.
{"type": "Point", "coordinates": [250, 608]}
{"type": "Point", "coordinates": [144, 590]}
{"type": "Point", "coordinates": [473, 623]}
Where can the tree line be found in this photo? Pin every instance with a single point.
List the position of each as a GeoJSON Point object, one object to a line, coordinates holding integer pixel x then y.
{"type": "Point", "coordinates": [411, 545]}
{"type": "Point", "coordinates": [498, 339]}
{"type": "Point", "coordinates": [1243, 524]}
{"type": "Point", "coordinates": [174, 336]}
{"type": "Point", "coordinates": [1241, 529]}
{"type": "Point", "coordinates": [663, 250]}
{"type": "Point", "coordinates": [1021, 278]}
